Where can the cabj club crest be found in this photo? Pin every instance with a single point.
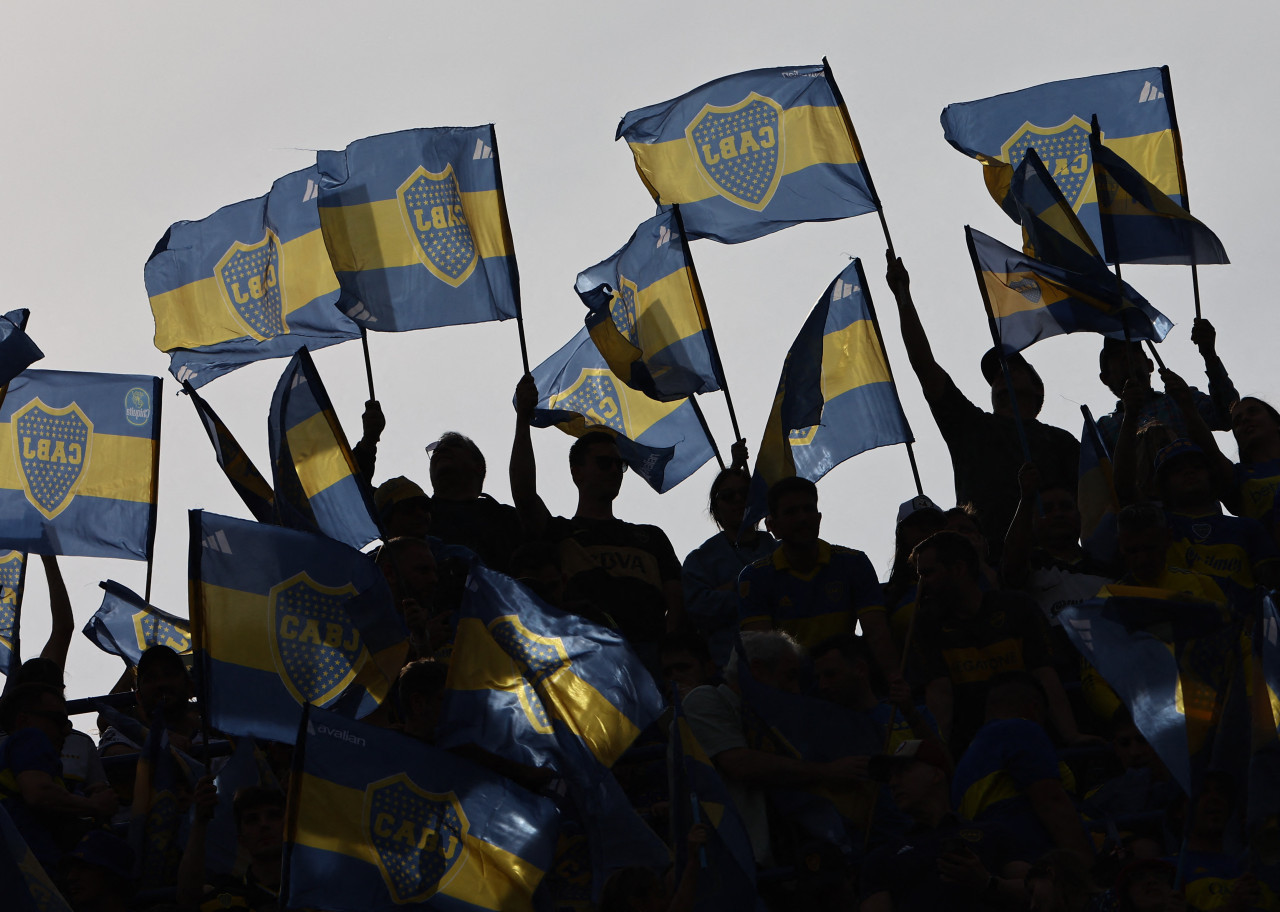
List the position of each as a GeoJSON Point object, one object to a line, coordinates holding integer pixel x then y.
{"type": "Point", "coordinates": [622, 308]}
{"type": "Point", "coordinates": [10, 578]}
{"type": "Point", "coordinates": [537, 658]}
{"type": "Point", "coordinates": [431, 205]}
{"type": "Point", "coordinates": [249, 276]}
{"type": "Point", "coordinates": [155, 631]}
{"type": "Point", "coordinates": [738, 149]}
{"type": "Point", "coordinates": [52, 447]}
{"type": "Point", "coordinates": [596, 398]}
{"type": "Point", "coordinates": [317, 649]}
{"type": "Point", "coordinates": [419, 837]}
{"type": "Point", "coordinates": [1064, 149]}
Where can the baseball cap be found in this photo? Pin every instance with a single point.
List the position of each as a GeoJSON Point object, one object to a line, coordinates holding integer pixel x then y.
{"type": "Point", "coordinates": [990, 365]}
{"type": "Point", "coordinates": [915, 505]}
{"type": "Point", "coordinates": [1176, 450]}
{"type": "Point", "coordinates": [395, 491]}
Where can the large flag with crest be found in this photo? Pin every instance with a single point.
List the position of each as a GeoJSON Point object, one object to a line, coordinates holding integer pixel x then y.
{"type": "Point", "coordinates": [1136, 106]}
{"type": "Point", "coordinates": [282, 618]}
{"type": "Point", "coordinates": [663, 442]}
{"type": "Point", "coordinates": [251, 281]}
{"type": "Point", "coordinates": [647, 317]}
{"type": "Point", "coordinates": [78, 464]}
{"type": "Point", "coordinates": [13, 572]}
{"type": "Point", "coordinates": [417, 229]}
{"type": "Point", "coordinates": [126, 626]}
{"type": "Point", "coordinates": [380, 821]}
{"type": "Point", "coordinates": [752, 153]}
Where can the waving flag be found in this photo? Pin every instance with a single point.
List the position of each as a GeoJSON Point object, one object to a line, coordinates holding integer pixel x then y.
{"type": "Point", "coordinates": [1096, 490]}
{"type": "Point", "coordinates": [27, 886]}
{"type": "Point", "coordinates": [126, 626]}
{"type": "Point", "coordinates": [251, 281]}
{"type": "Point", "coordinates": [13, 573]}
{"type": "Point", "coordinates": [17, 351]}
{"type": "Point", "coordinates": [379, 821]}
{"type": "Point", "coordinates": [417, 231]}
{"type": "Point", "coordinates": [664, 442]}
{"type": "Point", "coordinates": [78, 464]}
{"type": "Point", "coordinates": [1051, 231]}
{"type": "Point", "coordinates": [284, 618]}
{"type": "Point", "coordinates": [163, 779]}
{"type": "Point", "coordinates": [1136, 106]}
{"type": "Point", "coordinates": [646, 314]}
{"type": "Point", "coordinates": [752, 153]}
{"type": "Point", "coordinates": [234, 461]}
{"type": "Point", "coordinates": [318, 485]}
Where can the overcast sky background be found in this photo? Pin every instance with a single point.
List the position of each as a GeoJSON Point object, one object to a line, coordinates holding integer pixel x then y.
{"type": "Point", "coordinates": [123, 118]}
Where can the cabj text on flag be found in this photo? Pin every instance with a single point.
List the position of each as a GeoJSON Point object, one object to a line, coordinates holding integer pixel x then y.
{"type": "Point", "coordinates": [126, 626]}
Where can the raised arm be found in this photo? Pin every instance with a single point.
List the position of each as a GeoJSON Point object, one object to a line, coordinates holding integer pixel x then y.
{"type": "Point", "coordinates": [366, 451]}
{"type": "Point", "coordinates": [1222, 392]}
{"type": "Point", "coordinates": [64, 624]}
{"type": "Point", "coordinates": [933, 379]}
{"type": "Point", "coordinates": [523, 468]}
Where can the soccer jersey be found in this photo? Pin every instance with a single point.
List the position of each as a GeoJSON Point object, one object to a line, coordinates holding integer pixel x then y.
{"type": "Point", "coordinates": [1225, 547]}
{"type": "Point", "coordinates": [1256, 484]}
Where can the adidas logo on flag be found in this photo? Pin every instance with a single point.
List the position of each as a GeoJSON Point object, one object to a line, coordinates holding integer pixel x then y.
{"type": "Point", "coordinates": [298, 380]}
{"type": "Point", "coordinates": [1085, 631]}
{"type": "Point", "coordinates": [359, 312]}
{"type": "Point", "coordinates": [185, 373]}
{"type": "Point", "coordinates": [218, 542]}
{"type": "Point", "coordinates": [843, 289]}
{"type": "Point", "coordinates": [1149, 93]}
{"type": "Point", "coordinates": [664, 236]}
{"type": "Point", "coordinates": [482, 151]}
{"type": "Point", "coordinates": [313, 190]}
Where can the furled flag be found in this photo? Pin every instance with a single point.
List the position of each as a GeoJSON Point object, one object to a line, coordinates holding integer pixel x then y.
{"type": "Point", "coordinates": [126, 626]}
{"type": "Point", "coordinates": [1051, 231]}
{"type": "Point", "coordinates": [1136, 106]}
{"type": "Point", "coordinates": [1096, 490]}
{"type": "Point", "coordinates": [1140, 224]}
{"type": "Point", "coordinates": [163, 780]}
{"type": "Point", "coordinates": [379, 821]}
{"type": "Point", "coordinates": [251, 281]}
{"type": "Point", "coordinates": [234, 461]}
{"type": "Point", "coordinates": [24, 883]}
{"type": "Point", "coordinates": [836, 396]}
{"type": "Point", "coordinates": [417, 229]}
{"type": "Point", "coordinates": [79, 455]}
{"type": "Point", "coordinates": [664, 442]}
{"type": "Point", "coordinates": [1030, 300]}
{"type": "Point", "coordinates": [17, 351]}
{"type": "Point", "coordinates": [282, 618]}
{"type": "Point", "coordinates": [647, 317]}
{"type": "Point", "coordinates": [318, 486]}
{"type": "Point", "coordinates": [753, 153]}
{"type": "Point", "coordinates": [13, 572]}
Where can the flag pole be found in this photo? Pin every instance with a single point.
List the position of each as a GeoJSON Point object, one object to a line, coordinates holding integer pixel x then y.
{"type": "Point", "coordinates": [510, 247]}
{"type": "Point", "coordinates": [198, 633]}
{"type": "Point", "coordinates": [712, 348]}
{"type": "Point", "coordinates": [697, 410]}
{"type": "Point", "coordinates": [1182, 173]}
{"type": "Point", "coordinates": [155, 487]}
{"type": "Point", "coordinates": [368, 364]}
{"type": "Point", "coordinates": [857, 148]}
{"type": "Point", "coordinates": [875, 325]}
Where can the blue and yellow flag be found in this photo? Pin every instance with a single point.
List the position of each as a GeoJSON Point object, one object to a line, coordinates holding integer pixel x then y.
{"type": "Point", "coordinates": [1136, 106]}
{"type": "Point", "coordinates": [664, 442]}
{"type": "Point", "coordinates": [647, 317]}
{"type": "Point", "coordinates": [1030, 299]}
{"type": "Point", "coordinates": [1051, 231]}
{"type": "Point", "coordinates": [17, 351]}
{"type": "Point", "coordinates": [24, 883]}
{"type": "Point", "coordinates": [235, 462]}
{"type": "Point", "coordinates": [318, 486]}
{"type": "Point", "coordinates": [1096, 488]}
{"type": "Point", "coordinates": [78, 464]}
{"type": "Point", "coordinates": [126, 626]}
{"type": "Point", "coordinates": [251, 281]}
{"type": "Point", "coordinates": [13, 573]}
{"type": "Point", "coordinates": [417, 230]}
{"type": "Point", "coordinates": [379, 821]}
{"type": "Point", "coordinates": [836, 396]}
{"type": "Point", "coordinates": [163, 782]}
{"type": "Point", "coordinates": [1140, 224]}
{"type": "Point", "coordinates": [752, 153]}
{"type": "Point", "coordinates": [1267, 655]}
{"type": "Point", "coordinates": [282, 618]}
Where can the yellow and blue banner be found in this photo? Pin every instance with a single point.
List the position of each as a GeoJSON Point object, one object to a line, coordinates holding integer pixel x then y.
{"type": "Point", "coordinates": [380, 821]}
{"type": "Point", "coordinates": [13, 575]}
{"type": "Point", "coordinates": [417, 231]}
{"type": "Point", "coordinates": [79, 455]}
{"type": "Point", "coordinates": [24, 883]}
{"type": "Point", "coordinates": [1054, 119]}
{"type": "Point", "coordinates": [17, 351]}
{"type": "Point", "coordinates": [1030, 299]}
{"type": "Point", "coordinates": [251, 281]}
{"type": "Point", "coordinates": [318, 486]}
{"type": "Point", "coordinates": [1051, 231]}
{"type": "Point", "coordinates": [752, 153]}
{"type": "Point", "coordinates": [126, 626]}
{"type": "Point", "coordinates": [1096, 487]}
{"type": "Point", "coordinates": [663, 442]}
{"type": "Point", "coordinates": [647, 317]}
{"type": "Point", "coordinates": [164, 778]}
{"type": "Point", "coordinates": [1140, 224]}
{"type": "Point", "coordinates": [235, 462]}
{"type": "Point", "coordinates": [283, 618]}
{"type": "Point", "coordinates": [1267, 655]}
{"type": "Point", "coordinates": [836, 396]}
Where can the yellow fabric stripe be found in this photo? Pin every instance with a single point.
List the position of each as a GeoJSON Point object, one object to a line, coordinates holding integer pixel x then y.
{"type": "Point", "coordinates": [667, 312]}
{"type": "Point", "coordinates": [1153, 155]}
{"type": "Point", "coordinates": [330, 817]}
{"type": "Point", "coordinates": [851, 357]}
{"type": "Point", "coordinates": [810, 136]}
{"type": "Point", "coordinates": [376, 235]}
{"type": "Point", "coordinates": [235, 627]}
{"type": "Point", "coordinates": [990, 789]}
{"type": "Point", "coordinates": [1005, 301]}
{"type": "Point", "coordinates": [317, 455]}
{"type": "Point", "coordinates": [198, 314]}
{"type": "Point", "coordinates": [119, 467]}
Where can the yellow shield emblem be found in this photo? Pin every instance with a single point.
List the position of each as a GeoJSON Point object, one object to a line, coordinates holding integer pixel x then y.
{"type": "Point", "coordinates": [431, 206]}
{"type": "Point", "coordinates": [52, 449]}
{"type": "Point", "coordinates": [249, 278]}
{"type": "Point", "coordinates": [1064, 149]}
{"type": "Point", "coordinates": [739, 149]}
{"type": "Point", "coordinates": [418, 837]}
{"type": "Point", "coordinates": [317, 649]}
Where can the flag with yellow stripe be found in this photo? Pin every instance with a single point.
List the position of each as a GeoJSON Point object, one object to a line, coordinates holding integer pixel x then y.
{"type": "Point", "coordinates": [378, 820]}
{"type": "Point", "coordinates": [417, 231]}
{"type": "Point", "coordinates": [78, 460]}
{"type": "Point", "coordinates": [752, 153]}
{"type": "Point", "coordinates": [251, 281]}
{"type": "Point", "coordinates": [318, 486]}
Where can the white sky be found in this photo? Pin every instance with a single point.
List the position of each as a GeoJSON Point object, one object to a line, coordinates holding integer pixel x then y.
{"type": "Point", "coordinates": [122, 118]}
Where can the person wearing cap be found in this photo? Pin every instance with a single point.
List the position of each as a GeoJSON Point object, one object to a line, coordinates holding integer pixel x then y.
{"type": "Point", "coordinates": [461, 513]}
{"type": "Point", "coordinates": [1120, 361]}
{"type": "Point", "coordinates": [404, 509]}
{"type": "Point", "coordinates": [943, 861]}
{"type": "Point", "coordinates": [985, 447]}
{"type": "Point", "coordinates": [918, 518]}
{"type": "Point", "coordinates": [97, 875]}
